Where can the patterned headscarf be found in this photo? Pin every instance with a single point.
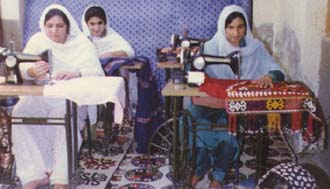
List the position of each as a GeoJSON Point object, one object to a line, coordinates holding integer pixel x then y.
{"type": "Point", "coordinates": [293, 174]}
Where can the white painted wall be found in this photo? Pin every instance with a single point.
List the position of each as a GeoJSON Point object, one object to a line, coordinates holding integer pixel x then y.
{"type": "Point", "coordinates": [298, 27]}
{"type": "Point", "coordinates": [12, 15]}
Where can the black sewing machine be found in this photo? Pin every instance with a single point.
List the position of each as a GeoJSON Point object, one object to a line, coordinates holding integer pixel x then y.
{"type": "Point", "coordinates": [195, 62]}
{"type": "Point", "coordinates": [185, 42]}
{"type": "Point", "coordinates": [233, 60]}
{"type": "Point", "coordinates": [191, 55]}
{"type": "Point", "coordinates": [12, 59]}
{"type": "Point", "coordinates": [178, 41]}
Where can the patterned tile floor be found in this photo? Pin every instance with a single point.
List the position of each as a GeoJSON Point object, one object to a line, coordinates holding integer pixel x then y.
{"type": "Point", "coordinates": [117, 166]}
{"type": "Point", "coordinates": [123, 169]}
{"type": "Point", "coordinates": [98, 169]}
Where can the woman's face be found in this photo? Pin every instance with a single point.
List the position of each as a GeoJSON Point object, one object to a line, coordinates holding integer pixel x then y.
{"type": "Point", "coordinates": [235, 31]}
{"type": "Point", "coordinates": [56, 29]}
{"type": "Point", "coordinates": [96, 26]}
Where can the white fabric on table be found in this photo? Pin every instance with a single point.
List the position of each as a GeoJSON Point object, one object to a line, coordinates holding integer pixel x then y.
{"type": "Point", "coordinates": [90, 91]}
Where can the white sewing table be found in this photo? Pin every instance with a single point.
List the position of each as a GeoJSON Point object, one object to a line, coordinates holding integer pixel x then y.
{"type": "Point", "coordinates": [78, 91]}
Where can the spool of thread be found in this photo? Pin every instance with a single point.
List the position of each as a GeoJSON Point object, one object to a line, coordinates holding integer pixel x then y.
{"type": "Point", "coordinates": [196, 77]}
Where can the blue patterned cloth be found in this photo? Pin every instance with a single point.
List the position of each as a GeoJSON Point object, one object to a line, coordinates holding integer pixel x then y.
{"type": "Point", "coordinates": [146, 24]}
{"type": "Point", "coordinates": [148, 110]}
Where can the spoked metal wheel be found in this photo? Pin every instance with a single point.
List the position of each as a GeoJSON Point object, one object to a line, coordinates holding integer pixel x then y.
{"type": "Point", "coordinates": [162, 143]}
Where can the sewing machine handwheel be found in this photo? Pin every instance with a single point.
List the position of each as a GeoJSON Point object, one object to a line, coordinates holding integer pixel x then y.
{"type": "Point", "coordinates": [11, 61]}
{"type": "Point", "coordinates": [161, 141]}
{"type": "Point", "coordinates": [161, 144]}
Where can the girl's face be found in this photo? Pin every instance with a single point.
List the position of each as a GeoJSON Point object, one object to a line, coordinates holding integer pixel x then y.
{"type": "Point", "coordinates": [56, 29]}
{"type": "Point", "coordinates": [235, 31]}
{"type": "Point", "coordinates": [96, 26]}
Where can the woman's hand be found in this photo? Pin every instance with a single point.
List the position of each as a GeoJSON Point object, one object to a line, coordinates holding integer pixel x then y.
{"type": "Point", "coordinates": [210, 102]}
{"type": "Point", "coordinates": [67, 75]}
{"type": "Point", "coordinates": [39, 70]}
{"type": "Point", "coordinates": [264, 82]}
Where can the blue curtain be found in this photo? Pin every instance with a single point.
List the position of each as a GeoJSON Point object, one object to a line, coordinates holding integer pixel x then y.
{"type": "Point", "coordinates": [146, 24]}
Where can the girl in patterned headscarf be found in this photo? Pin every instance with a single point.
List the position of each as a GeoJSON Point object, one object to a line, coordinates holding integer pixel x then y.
{"type": "Point", "coordinates": [218, 149]}
{"type": "Point", "coordinates": [40, 150]}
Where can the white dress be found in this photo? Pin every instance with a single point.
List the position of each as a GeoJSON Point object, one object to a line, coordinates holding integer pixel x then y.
{"type": "Point", "coordinates": [39, 148]}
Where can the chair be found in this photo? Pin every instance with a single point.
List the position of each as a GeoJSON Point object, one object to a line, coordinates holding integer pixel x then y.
{"type": "Point", "coordinates": [105, 117]}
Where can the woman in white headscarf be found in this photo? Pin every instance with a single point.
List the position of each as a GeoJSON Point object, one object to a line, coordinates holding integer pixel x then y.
{"type": "Point", "coordinates": [107, 41]}
{"type": "Point", "coordinates": [218, 149]}
{"type": "Point", "coordinates": [41, 151]}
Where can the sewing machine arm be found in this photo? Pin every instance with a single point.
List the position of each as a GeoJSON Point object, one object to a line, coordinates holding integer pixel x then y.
{"type": "Point", "coordinates": [12, 59]}
{"type": "Point", "coordinates": [232, 60]}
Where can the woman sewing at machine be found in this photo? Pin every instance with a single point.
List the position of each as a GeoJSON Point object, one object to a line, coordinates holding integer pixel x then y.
{"type": "Point", "coordinates": [40, 150]}
{"type": "Point", "coordinates": [107, 41]}
{"type": "Point", "coordinates": [216, 150]}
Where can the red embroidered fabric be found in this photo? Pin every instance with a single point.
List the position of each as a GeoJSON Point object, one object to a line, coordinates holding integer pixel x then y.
{"type": "Point", "coordinates": [217, 87]}
{"type": "Point", "coordinates": [244, 98]}
{"type": "Point", "coordinates": [231, 88]}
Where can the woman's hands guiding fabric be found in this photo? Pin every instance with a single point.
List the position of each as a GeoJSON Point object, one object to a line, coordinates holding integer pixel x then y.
{"type": "Point", "coordinates": [40, 69]}
{"type": "Point", "coordinates": [67, 75]}
{"type": "Point", "coordinates": [264, 82]}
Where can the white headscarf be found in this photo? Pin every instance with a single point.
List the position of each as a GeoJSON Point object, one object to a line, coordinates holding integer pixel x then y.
{"type": "Point", "coordinates": [111, 42]}
{"type": "Point", "coordinates": [219, 42]}
{"type": "Point", "coordinates": [74, 29]}
{"type": "Point", "coordinates": [77, 53]}
{"type": "Point", "coordinates": [256, 61]}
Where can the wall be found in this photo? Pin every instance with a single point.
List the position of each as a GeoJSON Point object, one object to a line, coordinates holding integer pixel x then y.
{"type": "Point", "coordinates": [294, 31]}
{"type": "Point", "coordinates": [12, 21]}
{"type": "Point", "coordinates": [297, 32]}
{"type": "Point", "coordinates": [324, 89]}
{"type": "Point", "coordinates": [327, 28]}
